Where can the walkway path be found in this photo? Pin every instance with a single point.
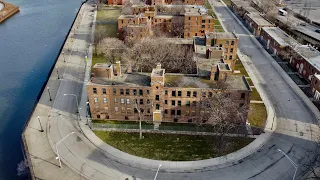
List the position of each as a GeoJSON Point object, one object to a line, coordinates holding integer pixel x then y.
{"type": "Point", "coordinates": [40, 154]}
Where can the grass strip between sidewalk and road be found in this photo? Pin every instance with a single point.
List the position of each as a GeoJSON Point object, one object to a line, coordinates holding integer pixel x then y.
{"type": "Point", "coordinates": [170, 147]}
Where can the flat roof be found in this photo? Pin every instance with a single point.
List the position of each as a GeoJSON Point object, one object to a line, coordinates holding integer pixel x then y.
{"type": "Point", "coordinates": [134, 79]}
{"type": "Point", "coordinates": [310, 54]}
{"type": "Point", "coordinates": [240, 3]}
{"type": "Point", "coordinates": [126, 16]}
{"type": "Point", "coordinates": [221, 35]}
{"type": "Point", "coordinates": [251, 9]}
{"type": "Point", "coordinates": [171, 80]}
{"type": "Point", "coordinates": [258, 19]}
{"type": "Point", "coordinates": [186, 81]}
{"type": "Point", "coordinates": [157, 72]}
{"type": "Point", "coordinates": [280, 36]}
{"type": "Point", "coordinates": [163, 16]}
{"type": "Point", "coordinates": [179, 40]}
{"type": "Point", "coordinates": [102, 65]}
{"type": "Point", "coordinates": [224, 67]}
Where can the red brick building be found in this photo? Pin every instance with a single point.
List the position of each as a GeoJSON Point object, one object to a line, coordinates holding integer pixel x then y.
{"type": "Point", "coordinates": [256, 22]}
{"type": "Point", "coordinates": [195, 21]}
{"type": "Point", "coordinates": [175, 97]}
{"type": "Point", "coordinates": [315, 86]}
{"type": "Point", "coordinates": [306, 60]}
{"type": "Point", "coordinates": [242, 8]}
{"type": "Point", "coordinates": [276, 40]}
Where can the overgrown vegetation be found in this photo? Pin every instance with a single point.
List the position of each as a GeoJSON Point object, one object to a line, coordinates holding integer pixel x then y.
{"type": "Point", "coordinates": [170, 147]}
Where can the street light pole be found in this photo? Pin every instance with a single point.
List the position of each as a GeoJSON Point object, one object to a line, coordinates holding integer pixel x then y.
{"type": "Point", "coordinates": [41, 130]}
{"type": "Point", "coordinates": [140, 128]}
{"type": "Point", "coordinates": [155, 177]}
{"type": "Point", "coordinates": [76, 100]}
{"type": "Point", "coordinates": [291, 161]}
{"type": "Point", "coordinates": [58, 157]}
{"type": "Point", "coordinates": [64, 59]}
{"type": "Point", "coordinates": [57, 72]}
{"type": "Point", "coordinates": [50, 99]}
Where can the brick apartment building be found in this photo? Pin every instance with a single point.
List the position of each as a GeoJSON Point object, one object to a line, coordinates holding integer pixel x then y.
{"type": "Point", "coordinates": [255, 22]}
{"type": "Point", "coordinates": [164, 2]}
{"type": "Point", "coordinates": [118, 93]}
{"type": "Point", "coordinates": [276, 41]}
{"type": "Point", "coordinates": [306, 60]}
{"type": "Point", "coordinates": [113, 2]}
{"type": "Point", "coordinates": [227, 43]}
{"type": "Point", "coordinates": [195, 21]}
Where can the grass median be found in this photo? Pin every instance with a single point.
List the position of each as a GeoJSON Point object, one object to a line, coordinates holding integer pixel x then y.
{"type": "Point", "coordinates": [170, 147]}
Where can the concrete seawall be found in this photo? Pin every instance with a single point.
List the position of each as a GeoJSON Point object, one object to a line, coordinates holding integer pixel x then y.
{"type": "Point", "coordinates": [30, 154]}
{"type": "Point", "coordinates": [7, 11]}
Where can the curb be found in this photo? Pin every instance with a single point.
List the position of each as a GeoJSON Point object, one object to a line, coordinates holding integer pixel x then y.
{"type": "Point", "coordinates": [285, 76]}
{"type": "Point", "coordinates": [186, 166]}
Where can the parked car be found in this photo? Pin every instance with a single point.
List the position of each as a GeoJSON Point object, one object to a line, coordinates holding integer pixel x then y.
{"type": "Point", "coordinates": [317, 30]}
{"type": "Point", "coordinates": [303, 24]}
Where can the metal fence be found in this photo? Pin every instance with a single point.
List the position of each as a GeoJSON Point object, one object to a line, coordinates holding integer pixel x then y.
{"type": "Point", "coordinates": [120, 126]}
{"type": "Point", "coordinates": [97, 126]}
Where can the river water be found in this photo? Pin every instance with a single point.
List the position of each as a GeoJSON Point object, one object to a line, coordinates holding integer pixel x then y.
{"type": "Point", "coordinates": [29, 44]}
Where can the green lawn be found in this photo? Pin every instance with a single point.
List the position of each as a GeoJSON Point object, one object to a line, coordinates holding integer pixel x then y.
{"type": "Point", "coordinates": [239, 66]}
{"type": "Point", "coordinates": [108, 14]}
{"type": "Point", "coordinates": [257, 115]}
{"type": "Point", "coordinates": [227, 2]}
{"type": "Point", "coordinates": [255, 95]}
{"type": "Point", "coordinates": [107, 26]}
{"type": "Point", "coordinates": [169, 147]}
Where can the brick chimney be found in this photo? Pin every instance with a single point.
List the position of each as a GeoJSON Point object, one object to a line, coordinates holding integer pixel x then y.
{"type": "Point", "coordinates": [118, 68]}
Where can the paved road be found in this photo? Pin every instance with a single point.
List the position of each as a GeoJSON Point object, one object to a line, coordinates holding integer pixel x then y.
{"type": "Point", "coordinates": [294, 124]}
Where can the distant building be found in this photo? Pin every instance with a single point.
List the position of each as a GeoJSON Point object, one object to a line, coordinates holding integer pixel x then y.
{"type": "Point", "coordinates": [242, 8]}
{"type": "Point", "coordinates": [255, 22]}
{"type": "Point", "coordinates": [276, 41]}
{"type": "Point", "coordinates": [195, 21]}
{"type": "Point", "coordinates": [306, 61]}
{"type": "Point", "coordinates": [119, 93]}
{"type": "Point", "coordinates": [226, 41]}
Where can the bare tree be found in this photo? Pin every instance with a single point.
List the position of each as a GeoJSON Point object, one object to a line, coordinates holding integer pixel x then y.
{"type": "Point", "coordinates": [126, 8]}
{"type": "Point", "coordinates": [224, 113]}
{"type": "Point", "coordinates": [99, 34]}
{"type": "Point", "coordinates": [111, 48]}
{"type": "Point", "coordinates": [148, 52]}
{"type": "Point", "coordinates": [177, 26]}
{"type": "Point", "coordinates": [177, 9]}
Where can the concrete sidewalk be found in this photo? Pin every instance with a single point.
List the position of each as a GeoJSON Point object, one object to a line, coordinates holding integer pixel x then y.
{"type": "Point", "coordinates": [39, 153]}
